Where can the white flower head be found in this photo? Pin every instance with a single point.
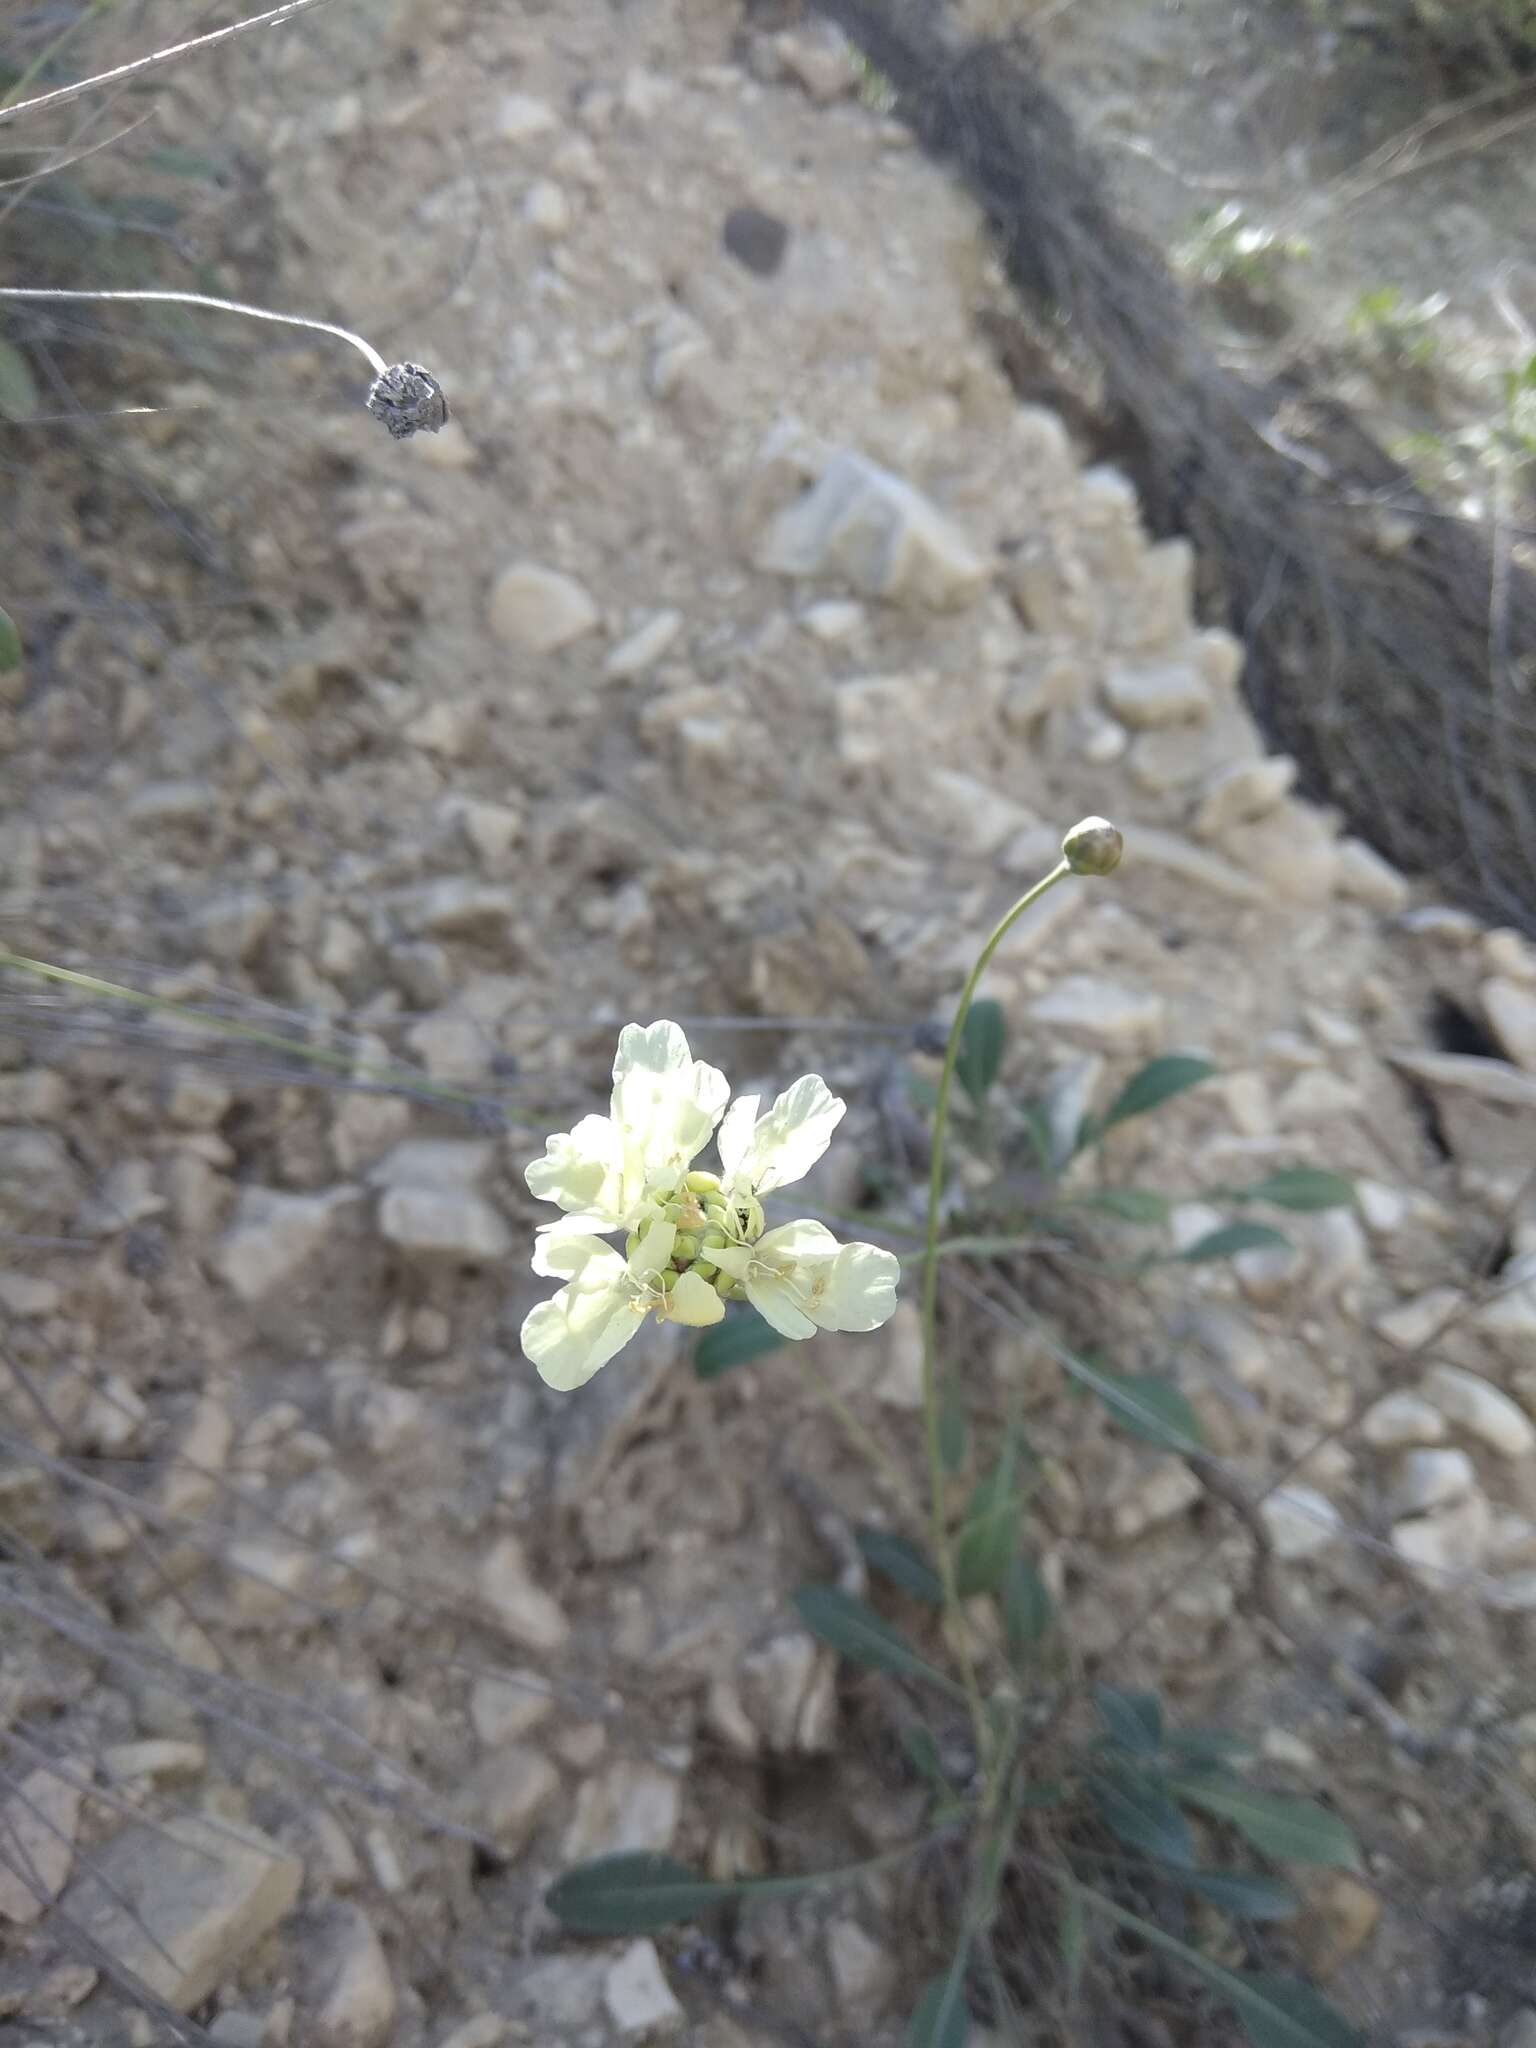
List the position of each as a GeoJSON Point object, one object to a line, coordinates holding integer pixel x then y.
{"type": "Point", "coordinates": [693, 1238]}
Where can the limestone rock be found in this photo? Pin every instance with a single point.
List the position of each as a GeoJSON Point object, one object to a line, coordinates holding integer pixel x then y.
{"type": "Point", "coordinates": [1301, 1522]}
{"type": "Point", "coordinates": [863, 1973]}
{"type": "Point", "coordinates": [353, 2000]}
{"type": "Point", "coordinates": [1102, 1011]}
{"type": "Point", "coordinates": [1156, 693]}
{"type": "Point", "coordinates": [1443, 1546]}
{"type": "Point", "coordinates": [1432, 1479]}
{"type": "Point", "coordinates": [776, 1679]}
{"type": "Point", "coordinates": [632, 1805]}
{"type": "Point", "coordinates": [1242, 793]}
{"type": "Point", "coordinates": [181, 1904]}
{"type": "Point", "coordinates": [1403, 1418]}
{"type": "Point", "coordinates": [521, 118]}
{"type": "Point", "coordinates": [523, 1611]}
{"type": "Point", "coordinates": [540, 609]}
{"type": "Point", "coordinates": [37, 1838]}
{"type": "Point", "coordinates": [1481, 1410]}
{"type": "Point", "coordinates": [860, 522]}
{"type": "Point", "coordinates": [1168, 1490]}
{"type": "Point", "coordinates": [638, 1997]}
{"type": "Point", "coordinates": [1364, 877]}
{"type": "Point", "coordinates": [430, 1208]}
{"type": "Point", "coordinates": [274, 1236]}
{"type": "Point", "coordinates": [508, 1794]}
{"type": "Point", "coordinates": [1510, 1007]}
{"type": "Point", "coordinates": [502, 1709]}
{"type": "Point", "coordinates": [643, 648]}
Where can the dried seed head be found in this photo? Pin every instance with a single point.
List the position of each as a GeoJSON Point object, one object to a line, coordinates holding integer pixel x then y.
{"type": "Point", "coordinates": [1092, 847]}
{"type": "Point", "coordinates": [408, 399]}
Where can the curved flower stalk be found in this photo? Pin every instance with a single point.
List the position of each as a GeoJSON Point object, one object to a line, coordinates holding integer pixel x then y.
{"type": "Point", "coordinates": [694, 1239]}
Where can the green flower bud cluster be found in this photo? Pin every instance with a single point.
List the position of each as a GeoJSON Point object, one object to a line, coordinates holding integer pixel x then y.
{"type": "Point", "coordinates": [706, 1222]}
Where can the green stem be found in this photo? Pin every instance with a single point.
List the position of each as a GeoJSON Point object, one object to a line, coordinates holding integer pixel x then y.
{"type": "Point", "coordinates": [930, 1303]}
{"type": "Point", "coordinates": [228, 1027]}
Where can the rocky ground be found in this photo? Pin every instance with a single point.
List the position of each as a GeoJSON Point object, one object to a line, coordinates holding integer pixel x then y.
{"type": "Point", "coordinates": [736, 653]}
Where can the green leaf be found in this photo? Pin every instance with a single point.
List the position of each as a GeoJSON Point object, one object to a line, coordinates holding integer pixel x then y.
{"type": "Point", "coordinates": [1148, 1407]}
{"type": "Point", "coordinates": [1157, 1082]}
{"type": "Point", "coordinates": [1208, 1746]}
{"type": "Point", "coordinates": [739, 1339]}
{"type": "Point", "coordinates": [1293, 1830]}
{"type": "Point", "coordinates": [1278, 2012]}
{"type": "Point", "coordinates": [856, 1632]}
{"type": "Point", "coordinates": [1242, 1893]}
{"type": "Point", "coordinates": [1231, 1239]}
{"type": "Point", "coordinates": [1028, 1609]}
{"type": "Point", "coordinates": [989, 1535]}
{"type": "Point", "coordinates": [1299, 1187]}
{"type": "Point", "coordinates": [1128, 1205]}
{"type": "Point", "coordinates": [1140, 1812]}
{"type": "Point", "coordinates": [637, 1892]}
{"type": "Point", "coordinates": [923, 1754]}
{"type": "Point", "coordinates": [942, 2019]}
{"type": "Point", "coordinates": [18, 388]}
{"type": "Point", "coordinates": [902, 1563]}
{"type": "Point", "coordinates": [1282, 2012]}
{"type": "Point", "coordinates": [10, 644]}
{"type": "Point", "coordinates": [1134, 1719]}
{"type": "Point", "coordinates": [185, 163]}
{"type": "Point", "coordinates": [981, 1048]}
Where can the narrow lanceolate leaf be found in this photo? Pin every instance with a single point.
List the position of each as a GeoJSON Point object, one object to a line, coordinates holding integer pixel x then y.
{"type": "Point", "coordinates": [1134, 1719]}
{"type": "Point", "coordinates": [1147, 1407]}
{"type": "Point", "coordinates": [1231, 1239]}
{"type": "Point", "coordinates": [1207, 1747]}
{"type": "Point", "coordinates": [637, 1892]}
{"type": "Point", "coordinates": [10, 644]}
{"type": "Point", "coordinates": [902, 1563]}
{"type": "Point", "coordinates": [989, 1535]}
{"type": "Point", "coordinates": [1282, 2012]}
{"type": "Point", "coordinates": [1157, 1082]}
{"type": "Point", "coordinates": [1134, 1806]}
{"type": "Point", "coordinates": [952, 1426]}
{"type": "Point", "coordinates": [1292, 1830]}
{"type": "Point", "coordinates": [742, 1337]}
{"type": "Point", "coordinates": [1244, 1894]}
{"type": "Point", "coordinates": [1028, 1609]}
{"type": "Point", "coordinates": [1299, 1187]}
{"type": "Point", "coordinates": [981, 1048]}
{"type": "Point", "coordinates": [856, 1632]}
{"type": "Point", "coordinates": [1127, 1205]}
{"type": "Point", "coordinates": [18, 388]}
{"type": "Point", "coordinates": [1277, 2012]}
{"type": "Point", "coordinates": [941, 2019]}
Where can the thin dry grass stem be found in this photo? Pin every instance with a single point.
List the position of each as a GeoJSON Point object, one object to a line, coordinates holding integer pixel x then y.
{"type": "Point", "coordinates": [123, 73]}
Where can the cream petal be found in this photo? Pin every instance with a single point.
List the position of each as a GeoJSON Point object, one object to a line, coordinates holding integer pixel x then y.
{"type": "Point", "coordinates": [694, 1302]}
{"type": "Point", "coordinates": [573, 1335]}
{"type": "Point", "coordinates": [735, 1135]}
{"type": "Point", "coordinates": [666, 1102]}
{"type": "Point", "coordinates": [563, 1254]}
{"type": "Point", "coordinates": [776, 1300]}
{"type": "Point", "coordinates": [861, 1289]}
{"type": "Point", "coordinates": [787, 1142]}
{"type": "Point", "coordinates": [583, 1171]}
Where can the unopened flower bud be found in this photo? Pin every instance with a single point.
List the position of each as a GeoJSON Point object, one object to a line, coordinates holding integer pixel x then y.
{"type": "Point", "coordinates": [702, 1183]}
{"type": "Point", "coordinates": [1092, 847]}
{"type": "Point", "coordinates": [705, 1268]}
{"type": "Point", "coordinates": [684, 1249]}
